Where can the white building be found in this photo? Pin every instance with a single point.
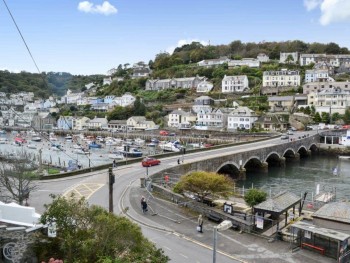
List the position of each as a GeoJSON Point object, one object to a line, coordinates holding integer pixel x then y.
{"type": "Point", "coordinates": [333, 60]}
{"type": "Point", "coordinates": [235, 84]}
{"type": "Point", "coordinates": [180, 119]}
{"type": "Point", "coordinates": [282, 78]}
{"type": "Point", "coordinates": [285, 55]}
{"type": "Point", "coordinates": [213, 62]}
{"type": "Point", "coordinates": [204, 86]}
{"type": "Point", "coordinates": [319, 86]}
{"type": "Point", "coordinates": [213, 118]}
{"type": "Point", "coordinates": [241, 118]}
{"type": "Point", "coordinates": [317, 75]}
{"type": "Point", "coordinates": [249, 62]}
{"type": "Point", "coordinates": [125, 100]}
{"type": "Point", "coordinates": [262, 57]}
{"type": "Point", "coordinates": [330, 101]}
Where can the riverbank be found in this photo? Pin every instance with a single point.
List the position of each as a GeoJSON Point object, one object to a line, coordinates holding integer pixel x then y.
{"type": "Point", "coordinates": [333, 149]}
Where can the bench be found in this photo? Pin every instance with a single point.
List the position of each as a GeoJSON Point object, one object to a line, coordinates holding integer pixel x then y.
{"type": "Point", "coordinates": [312, 246]}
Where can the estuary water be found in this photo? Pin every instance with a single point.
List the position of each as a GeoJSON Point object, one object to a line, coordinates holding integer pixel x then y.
{"type": "Point", "coordinates": [304, 175]}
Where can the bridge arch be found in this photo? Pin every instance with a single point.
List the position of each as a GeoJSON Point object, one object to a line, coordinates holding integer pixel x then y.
{"type": "Point", "coordinates": [302, 151]}
{"type": "Point", "coordinates": [253, 164]}
{"type": "Point", "coordinates": [229, 168]}
{"type": "Point", "coordinates": [313, 147]}
{"type": "Point", "coordinates": [273, 159]}
{"type": "Point", "coordinates": [289, 153]}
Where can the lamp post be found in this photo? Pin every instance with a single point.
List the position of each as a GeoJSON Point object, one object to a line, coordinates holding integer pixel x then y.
{"type": "Point", "coordinates": [224, 225]}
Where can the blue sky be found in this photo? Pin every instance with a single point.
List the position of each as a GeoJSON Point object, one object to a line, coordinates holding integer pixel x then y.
{"type": "Point", "coordinates": [91, 37]}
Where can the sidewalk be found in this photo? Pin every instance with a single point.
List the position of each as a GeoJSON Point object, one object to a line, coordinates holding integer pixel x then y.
{"type": "Point", "coordinates": [181, 221]}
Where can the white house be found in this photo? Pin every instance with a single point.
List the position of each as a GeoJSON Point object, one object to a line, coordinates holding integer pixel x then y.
{"type": "Point", "coordinates": [213, 62]}
{"type": "Point", "coordinates": [262, 57]}
{"type": "Point", "coordinates": [80, 123]}
{"type": "Point", "coordinates": [140, 70]}
{"type": "Point", "coordinates": [125, 100]}
{"type": "Point", "coordinates": [97, 123]}
{"type": "Point", "coordinates": [248, 62]}
{"type": "Point", "coordinates": [140, 123]}
{"type": "Point", "coordinates": [235, 84]}
{"type": "Point", "coordinates": [285, 55]}
{"type": "Point", "coordinates": [181, 119]}
{"type": "Point", "coordinates": [241, 118]}
{"type": "Point", "coordinates": [281, 78]}
{"type": "Point", "coordinates": [204, 86]}
{"type": "Point", "coordinates": [317, 75]}
{"type": "Point", "coordinates": [213, 118]}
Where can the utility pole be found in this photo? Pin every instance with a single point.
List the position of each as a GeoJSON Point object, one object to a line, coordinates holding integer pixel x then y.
{"type": "Point", "coordinates": [111, 181]}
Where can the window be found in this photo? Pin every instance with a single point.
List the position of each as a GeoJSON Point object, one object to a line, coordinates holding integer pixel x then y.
{"type": "Point", "coordinates": [241, 119]}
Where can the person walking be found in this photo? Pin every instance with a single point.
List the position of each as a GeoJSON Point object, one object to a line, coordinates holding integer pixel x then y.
{"type": "Point", "coordinates": [114, 164]}
{"type": "Point", "coordinates": [144, 205]}
{"type": "Point", "coordinates": [200, 224]}
{"type": "Point", "coordinates": [178, 161]}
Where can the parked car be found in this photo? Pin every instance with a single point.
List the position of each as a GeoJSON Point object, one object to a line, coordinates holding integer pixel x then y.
{"type": "Point", "coordinates": [162, 132]}
{"type": "Point", "coordinates": [150, 161]}
{"type": "Point", "coordinates": [290, 132]}
{"type": "Point", "coordinates": [284, 137]}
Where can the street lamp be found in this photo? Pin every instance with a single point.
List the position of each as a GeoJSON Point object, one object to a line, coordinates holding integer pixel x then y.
{"type": "Point", "coordinates": [224, 225]}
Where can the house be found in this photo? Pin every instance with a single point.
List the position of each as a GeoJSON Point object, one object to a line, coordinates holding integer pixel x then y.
{"type": "Point", "coordinates": [117, 125]}
{"type": "Point", "coordinates": [232, 84]}
{"type": "Point", "coordinates": [281, 78]}
{"type": "Point", "coordinates": [70, 97]}
{"type": "Point", "coordinates": [103, 107]}
{"type": "Point", "coordinates": [334, 215]}
{"type": "Point", "coordinates": [108, 99]}
{"type": "Point", "coordinates": [289, 57]}
{"type": "Point", "coordinates": [215, 118]}
{"type": "Point", "coordinates": [241, 118]}
{"type": "Point", "coordinates": [247, 62]}
{"type": "Point", "coordinates": [317, 75]}
{"type": "Point", "coordinates": [272, 122]}
{"type": "Point", "coordinates": [90, 85]}
{"type": "Point", "coordinates": [140, 70]}
{"type": "Point", "coordinates": [80, 123]}
{"type": "Point", "coordinates": [202, 102]}
{"type": "Point", "coordinates": [330, 101]}
{"type": "Point", "coordinates": [319, 86]}
{"type": "Point", "coordinates": [334, 60]}
{"type": "Point", "coordinates": [185, 83]}
{"type": "Point", "coordinates": [124, 101]}
{"type": "Point", "coordinates": [281, 103]}
{"type": "Point", "coordinates": [140, 123]}
{"type": "Point", "coordinates": [97, 123]}
{"type": "Point", "coordinates": [107, 81]}
{"type": "Point", "coordinates": [262, 57]}
{"type": "Point", "coordinates": [204, 86]}
{"type": "Point", "coordinates": [43, 120]}
{"type": "Point", "coordinates": [181, 119]}
{"type": "Point", "coordinates": [65, 122]}
{"type": "Point", "coordinates": [213, 62]}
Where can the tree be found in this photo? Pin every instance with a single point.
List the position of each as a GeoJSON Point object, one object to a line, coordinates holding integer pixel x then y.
{"type": "Point", "coordinates": [317, 117]}
{"type": "Point", "coordinates": [255, 196]}
{"type": "Point", "coordinates": [17, 179]}
{"type": "Point", "coordinates": [289, 59]}
{"type": "Point", "coordinates": [346, 117]}
{"type": "Point", "coordinates": [325, 117]}
{"type": "Point", "coordinates": [91, 234]}
{"type": "Point", "coordinates": [139, 107]}
{"type": "Point", "coordinates": [205, 184]}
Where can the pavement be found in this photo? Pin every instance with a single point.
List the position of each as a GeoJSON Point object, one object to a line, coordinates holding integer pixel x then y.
{"type": "Point", "coordinates": [240, 247]}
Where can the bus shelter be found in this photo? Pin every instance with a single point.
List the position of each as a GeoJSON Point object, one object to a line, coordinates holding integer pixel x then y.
{"type": "Point", "coordinates": [326, 241]}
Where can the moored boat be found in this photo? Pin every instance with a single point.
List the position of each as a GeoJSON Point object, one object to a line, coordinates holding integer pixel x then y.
{"type": "Point", "coordinates": [94, 145]}
{"type": "Point", "coordinates": [36, 139]}
{"type": "Point", "coordinates": [80, 151]}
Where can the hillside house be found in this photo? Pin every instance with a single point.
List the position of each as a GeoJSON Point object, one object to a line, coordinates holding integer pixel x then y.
{"type": "Point", "coordinates": [241, 118]}
{"type": "Point", "coordinates": [231, 84]}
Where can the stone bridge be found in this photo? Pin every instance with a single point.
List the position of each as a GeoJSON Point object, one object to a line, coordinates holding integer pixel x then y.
{"type": "Point", "coordinates": [238, 162]}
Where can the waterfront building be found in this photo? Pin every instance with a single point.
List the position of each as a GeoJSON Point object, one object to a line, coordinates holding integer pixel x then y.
{"type": "Point", "coordinates": [241, 118]}
{"type": "Point", "coordinates": [140, 123]}
{"type": "Point", "coordinates": [330, 100]}
{"type": "Point", "coordinates": [215, 118]}
{"type": "Point", "coordinates": [180, 118]}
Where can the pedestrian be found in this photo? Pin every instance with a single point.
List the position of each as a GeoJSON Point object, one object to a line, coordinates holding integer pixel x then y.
{"type": "Point", "coordinates": [144, 204]}
{"type": "Point", "coordinates": [200, 224]}
{"type": "Point", "coordinates": [178, 161]}
{"type": "Point", "coordinates": [114, 164]}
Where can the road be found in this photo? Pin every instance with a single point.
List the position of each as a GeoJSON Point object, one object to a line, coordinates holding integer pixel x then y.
{"type": "Point", "coordinates": [179, 241]}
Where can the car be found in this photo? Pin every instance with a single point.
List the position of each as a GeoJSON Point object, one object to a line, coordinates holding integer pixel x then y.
{"type": "Point", "coordinates": [290, 132]}
{"type": "Point", "coordinates": [162, 132]}
{"type": "Point", "coordinates": [150, 161]}
{"type": "Point", "coordinates": [284, 137]}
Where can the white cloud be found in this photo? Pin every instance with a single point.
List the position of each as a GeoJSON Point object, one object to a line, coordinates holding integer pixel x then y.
{"type": "Point", "coordinates": [332, 11]}
{"type": "Point", "coordinates": [335, 11]}
{"type": "Point", "coordinates": [312, 4]}
{"type": "Point", "coordinates": [182, 42]}
{"type": "Point", "coordinates": [105, 9]}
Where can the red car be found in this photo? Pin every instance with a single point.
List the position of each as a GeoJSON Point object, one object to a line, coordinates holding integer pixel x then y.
{"type": "Point", "coordinates": [149, 161]}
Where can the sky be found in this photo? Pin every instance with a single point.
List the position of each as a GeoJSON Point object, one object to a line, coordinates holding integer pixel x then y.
{"type": "Point", "coordinates": [92, 37]}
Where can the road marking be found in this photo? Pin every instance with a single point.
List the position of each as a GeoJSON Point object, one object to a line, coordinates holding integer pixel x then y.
{"type": "Point", "coordinates": [167, 248]}
{"type": "Point", "coordinates": [84, 190]}
{"type": "Point", "coordinates": [183, 255]}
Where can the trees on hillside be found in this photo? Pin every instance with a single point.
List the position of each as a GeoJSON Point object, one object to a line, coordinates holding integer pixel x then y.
{"type": "Point", "coordinates": [205, 184]}
{"type": "Point", "coordinates": [91, 234]}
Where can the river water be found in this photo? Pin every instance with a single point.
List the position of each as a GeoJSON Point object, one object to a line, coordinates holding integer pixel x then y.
{"type": "Point", "coordinates": [304, 175]}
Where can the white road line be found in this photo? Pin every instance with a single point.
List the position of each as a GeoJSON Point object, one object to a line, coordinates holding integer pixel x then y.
{"type": "Point", "coordinates": [183, 255]}
{"type": "Point", "coordinates": [167, 248]}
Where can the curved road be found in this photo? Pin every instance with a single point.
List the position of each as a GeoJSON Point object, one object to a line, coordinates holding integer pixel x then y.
{"type": "Point", "coordinates": [179, 247]}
